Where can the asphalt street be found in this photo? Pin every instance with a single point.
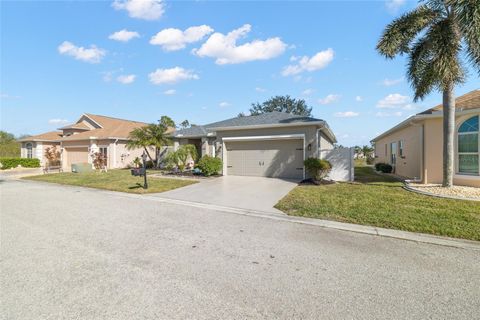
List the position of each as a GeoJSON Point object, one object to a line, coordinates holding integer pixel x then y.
{"type": "Point", "coordinates": [75, 253]}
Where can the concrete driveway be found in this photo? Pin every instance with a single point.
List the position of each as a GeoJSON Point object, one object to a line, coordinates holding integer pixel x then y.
{"type": "Point", "coordinates": [253, 193]}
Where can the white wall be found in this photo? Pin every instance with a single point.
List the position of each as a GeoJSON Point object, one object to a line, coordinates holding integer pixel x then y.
{"type": "Point", "coordinates": [342, 163]}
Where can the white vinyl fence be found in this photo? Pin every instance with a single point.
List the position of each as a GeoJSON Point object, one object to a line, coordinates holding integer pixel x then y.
{"type": "Point", "coordinates": [342, 163]}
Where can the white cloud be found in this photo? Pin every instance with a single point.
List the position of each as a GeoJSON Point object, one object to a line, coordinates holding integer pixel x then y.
{"type": "Point", "coordinates": [58, 121]}
{"type": "Point", "coordinates": [141, 9]}
{"type": "Point", "coordinates": [223, 104]}
{"type": "Point", "coordinates": [394, 5]}
{"type": "Point", "coordinates": [126, 78]}
{"type": "Point", "coordinates": [225, 50]}
{"type": "Point", "coordinates": [359, 98]}
{"type": "Point", "coordinates": [259, 89]}
{"type": "Point", "coordinates": [172, 75]}
{"type": "Point", "coordinates": [346, 114]}
{"type": "Point", "coordinates": [175, 39]}
{"type": "Point", "coordinates": [92, 54]}
{"type": "Point", "coordinates": [123, 35]}
{"type": "Point", "coordinates": [382, 114]}
{"type": "Point", "coordinates": [7, 96]}
{"type": "Point", "coordinates": [391, 82]}
{"type": "Point", "coordinates": [329, 99]}
{"type": "Point", "coordinates": [319, 61]}
{"type": "Point", "coordinates": [307, 92]}
{"type": "Point", "coordinates": [393, 101]}
{"type": "Point", "coordinates": [170, 92]}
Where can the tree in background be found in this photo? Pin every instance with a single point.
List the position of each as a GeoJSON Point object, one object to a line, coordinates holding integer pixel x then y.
{"type": "Point", "coordinates": [435, 36]}
{"type": "Point", "coordinates": [152, 135]}
{"type": "Point", "coordinates": [184, 124]}
{"type": "Point", "coordinates": [9, 146]}
{"type": "Point", "coordinates": [282, 104]}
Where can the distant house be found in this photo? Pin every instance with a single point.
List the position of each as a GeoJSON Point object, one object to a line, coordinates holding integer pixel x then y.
{"type": "Point", "coordinates": [272, 144]}
{"type": "Point", "coordinates": [80, 140]}
{"type": "Point", "coordinates": [415, 146]}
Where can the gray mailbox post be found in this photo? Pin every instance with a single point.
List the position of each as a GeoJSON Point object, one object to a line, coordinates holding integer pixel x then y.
{"type": "Point", "coordinates": [138, 172]}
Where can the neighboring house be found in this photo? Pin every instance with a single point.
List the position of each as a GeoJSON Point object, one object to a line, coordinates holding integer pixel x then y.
{"type": "Point", "coordinates": [415, 146]}
{"type": "Point", "coordinates": [272, 144]}
{"type": "Point", "coordinates": [79, 141]}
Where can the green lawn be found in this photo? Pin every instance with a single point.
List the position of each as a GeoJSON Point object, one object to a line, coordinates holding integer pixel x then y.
{"type": "Point", "coordinates": [381, 201]}
{"type": "Point", "coordinates": [115, 180]}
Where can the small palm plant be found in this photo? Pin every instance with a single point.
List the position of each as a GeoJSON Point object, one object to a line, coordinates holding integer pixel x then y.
{"type": "Point", "coordinates": [317, 168]}
{"type": "Point", "coordinates": [152, 135]}
{"type": "Point", "coordinates": [434, 36]}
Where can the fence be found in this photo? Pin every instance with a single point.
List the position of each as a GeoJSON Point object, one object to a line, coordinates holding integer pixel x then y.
{"type": "Point", "coordinates": [342, 163]}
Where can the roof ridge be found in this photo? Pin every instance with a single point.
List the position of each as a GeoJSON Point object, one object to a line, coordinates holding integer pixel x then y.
{"type": "Point", "coordinates": [115, 118]}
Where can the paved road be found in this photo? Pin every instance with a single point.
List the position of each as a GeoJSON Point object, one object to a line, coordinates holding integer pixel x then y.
{"type": "Point", "coordinates": [72, 253]}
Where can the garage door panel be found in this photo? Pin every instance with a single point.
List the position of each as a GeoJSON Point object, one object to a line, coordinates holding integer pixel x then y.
{"type": "Point", "coordinates": [76, 155]}
{"type": "Point", "coordinates": [267, 158]}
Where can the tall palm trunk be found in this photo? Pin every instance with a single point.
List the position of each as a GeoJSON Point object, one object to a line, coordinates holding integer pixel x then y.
{"type": "Point", "coordinates": [448, 135]}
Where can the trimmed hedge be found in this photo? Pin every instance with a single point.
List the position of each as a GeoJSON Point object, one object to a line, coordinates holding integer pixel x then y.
{"type": "Point", "coordinates": [7, 163]}
{"type": "Point", "coordinates": [209, 165]}
{"type": "Point", "coordinates": [383, 167]}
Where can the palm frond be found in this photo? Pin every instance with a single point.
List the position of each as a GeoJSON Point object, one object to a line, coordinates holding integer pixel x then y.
{"type": "Point", "coordinates": [467, 13]}
{"type": "Point", "coordinates": [434, 59]}
{"type": "Point", "coordinates": [399, 34]}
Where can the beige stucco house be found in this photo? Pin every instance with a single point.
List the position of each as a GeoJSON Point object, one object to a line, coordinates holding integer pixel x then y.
{"type": "Point", "coordinates": [415, 146]}
{"type": "Point", "coordinates": [80, 140]}
{"type": "Point", "coordinates": [272, 144]}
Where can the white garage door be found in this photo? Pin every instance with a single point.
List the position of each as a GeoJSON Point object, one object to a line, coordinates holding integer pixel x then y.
{"type": "Point", "coordinates": [266, 158]}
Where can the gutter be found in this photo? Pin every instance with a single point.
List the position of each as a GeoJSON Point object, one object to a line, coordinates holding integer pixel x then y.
{"type": "Point", "coordinates": [438, 114]}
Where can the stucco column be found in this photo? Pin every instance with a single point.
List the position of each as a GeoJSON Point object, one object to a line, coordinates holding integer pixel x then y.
{"type": "Point", "coordinates": [93, 149]}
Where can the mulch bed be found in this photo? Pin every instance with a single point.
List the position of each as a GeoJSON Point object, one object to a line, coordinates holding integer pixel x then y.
{"type": "Point", "coordinates": [311, 182]}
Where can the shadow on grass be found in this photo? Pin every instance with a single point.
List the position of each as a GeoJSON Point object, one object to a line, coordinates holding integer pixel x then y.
{"type": "Point", "coordinates": [136, 186]}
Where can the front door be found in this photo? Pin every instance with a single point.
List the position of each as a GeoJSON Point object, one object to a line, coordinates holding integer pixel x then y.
{"type": "Point", "coordinates": [393, 155]}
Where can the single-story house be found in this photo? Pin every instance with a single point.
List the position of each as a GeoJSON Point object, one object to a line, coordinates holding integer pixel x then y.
{"type": "Point", "coordinates": [272, 144]}
{"type": "Point", "coordinates": [79, 141]}
{"type": "Point", "coordinates": [415, 146]}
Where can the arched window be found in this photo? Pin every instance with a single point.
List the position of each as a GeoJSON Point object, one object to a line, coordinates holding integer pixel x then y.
{"type": "Point", "coordinates": [29, 147]}
{"type": "Point", "coordinates": [468, 146]}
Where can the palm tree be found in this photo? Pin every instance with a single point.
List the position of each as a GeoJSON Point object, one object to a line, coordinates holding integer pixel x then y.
{"type": "Point", "coordinates": [434, 35]}
{"type": "Point", "coordinates": [152, 135]}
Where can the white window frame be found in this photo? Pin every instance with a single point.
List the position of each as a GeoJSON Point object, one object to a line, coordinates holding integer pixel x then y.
{"type": "Point", "coordinates": [29, 149]}
{"type": "Point", "coordinates": [458, 153]}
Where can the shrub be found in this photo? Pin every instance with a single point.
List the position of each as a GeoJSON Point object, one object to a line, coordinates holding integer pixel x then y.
{"type": "Point", "coordinates": [317, 168]}
{"type": "Point", "coordinates": [99, 160]}
{"type": "Point", "coordinates": [53, 156]}
{"type": "Point", "coordinates": [181, 157]}
{"type": "Point", "coordinates": [370, 160]}
{"type": "Point", "coordinates": [383, 167]}
{"type": "Point", "coordinates": [209, 165]}
{"type": "Point", "coordinates": [7, 163]}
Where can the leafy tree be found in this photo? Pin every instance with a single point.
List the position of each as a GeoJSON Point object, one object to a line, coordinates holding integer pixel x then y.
{"type": "Point", "coordinates": [434, 36]}
{"type": "Point", "coordinates": [9, 147]}
{"type": "Point", "coordinates": [184, 124]}
{"type": "Point", "coordinates": [282, 104]}
{"type": "Point", "coordinates": [152, 135]}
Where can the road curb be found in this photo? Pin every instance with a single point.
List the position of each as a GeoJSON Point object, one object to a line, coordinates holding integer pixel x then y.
{"type": "Point", "coordinates": [375, 231]}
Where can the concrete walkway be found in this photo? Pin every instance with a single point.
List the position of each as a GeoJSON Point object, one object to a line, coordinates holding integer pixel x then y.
{"type": "Point", "coordinates": [252, 193]}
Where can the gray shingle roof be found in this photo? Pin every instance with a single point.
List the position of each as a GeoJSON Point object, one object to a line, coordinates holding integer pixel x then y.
{"type": "Point", "coordinates": [274, 117]}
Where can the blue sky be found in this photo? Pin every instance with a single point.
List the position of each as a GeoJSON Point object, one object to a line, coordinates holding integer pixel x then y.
{"type": "Point", "coordinates": [61, 59]}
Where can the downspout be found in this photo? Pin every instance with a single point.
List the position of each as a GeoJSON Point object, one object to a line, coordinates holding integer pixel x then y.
{"type": "Point", "coordinates": [115, 153]}
{"type": "Point", "coordinates": [420, 179]}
